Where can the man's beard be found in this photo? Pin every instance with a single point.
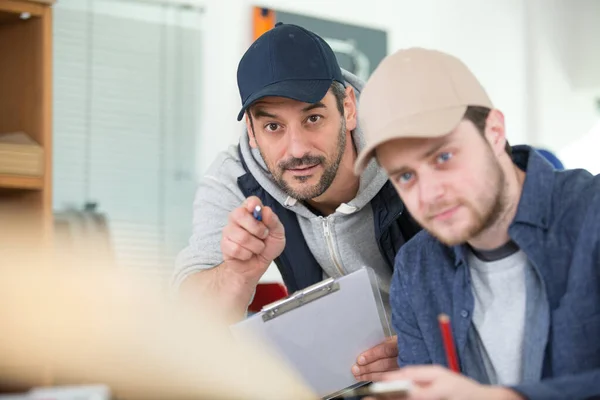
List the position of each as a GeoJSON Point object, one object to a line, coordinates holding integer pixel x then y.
{"type": "Point", "coordinates": [494, 202]}
{"type": "Point", "coordinates": [330, 166]}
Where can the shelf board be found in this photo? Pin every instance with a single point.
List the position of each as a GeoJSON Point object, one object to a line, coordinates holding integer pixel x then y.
{"type": "Point", "coordinates": [47, 2]}
{"type": "Point", "coordinates": [21, 182]}
{"type": "Point", "coordinates": [11, 10]}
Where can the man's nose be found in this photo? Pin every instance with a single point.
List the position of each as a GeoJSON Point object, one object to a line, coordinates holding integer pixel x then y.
{"type": "Point", "coordinates": [298, 142]}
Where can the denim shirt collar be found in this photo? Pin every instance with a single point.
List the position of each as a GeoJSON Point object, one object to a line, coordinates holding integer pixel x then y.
{"type": "Point", "coordinates": [536, 196]}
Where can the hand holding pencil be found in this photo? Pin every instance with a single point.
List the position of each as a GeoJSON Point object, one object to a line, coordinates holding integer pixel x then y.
{"type": "Point", "coordinates": [252, 239]}
{"type": "Point", "coordinates": [433, 382]}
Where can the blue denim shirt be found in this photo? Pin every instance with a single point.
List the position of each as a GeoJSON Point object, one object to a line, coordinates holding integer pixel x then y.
{"type": "Point", "coordinates": [557, 225]}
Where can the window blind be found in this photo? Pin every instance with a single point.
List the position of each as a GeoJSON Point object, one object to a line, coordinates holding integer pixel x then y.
{"type": "Point", "coordinates": [125, 118]}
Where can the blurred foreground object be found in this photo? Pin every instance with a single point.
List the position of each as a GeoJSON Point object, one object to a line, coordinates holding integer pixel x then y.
{"type": "Point", "coordinates": [85, 232]}
{"type": "Point", "coordinates": [88, 392]}
{"type": "Point", "coordinates": [102, 326]}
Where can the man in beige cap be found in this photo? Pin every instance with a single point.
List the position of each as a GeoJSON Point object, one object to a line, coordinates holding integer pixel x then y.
{"type": "Point", "coordinates": [510, 247]}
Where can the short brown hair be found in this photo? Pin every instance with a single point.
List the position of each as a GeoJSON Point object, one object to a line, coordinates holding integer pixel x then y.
{"type": "Point", "coordinates": [478, 115]}
{"type": "Point", "coordinates": [339, 92]}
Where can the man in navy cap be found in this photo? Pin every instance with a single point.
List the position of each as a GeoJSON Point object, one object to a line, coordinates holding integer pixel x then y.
{"type": "Point", "coordinates": [295, 161]}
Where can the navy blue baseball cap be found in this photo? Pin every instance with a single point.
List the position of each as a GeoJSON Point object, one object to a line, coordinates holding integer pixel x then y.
{"type": "Point", "coordinates": [287, 61]}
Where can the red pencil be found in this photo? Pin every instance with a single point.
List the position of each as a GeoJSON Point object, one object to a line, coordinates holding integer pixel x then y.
{"type": "Point", "coordinates": [451, 357]}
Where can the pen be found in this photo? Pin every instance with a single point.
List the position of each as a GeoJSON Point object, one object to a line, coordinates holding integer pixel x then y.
{"type": "Point", "coordinates": [257, 213]}
{"type": "Point", "coordinates": [451, 357]}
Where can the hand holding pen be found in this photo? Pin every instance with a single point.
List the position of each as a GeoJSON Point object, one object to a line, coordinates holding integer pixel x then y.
{"type": "Point", "coordinates": [252, 239]}
{"type": "Point", "coordinates": [435, 382]}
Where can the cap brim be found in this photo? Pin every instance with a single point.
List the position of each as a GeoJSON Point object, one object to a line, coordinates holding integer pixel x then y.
{"type": "Point", "coordinates": [428, 124]}
{"type": "Point", "coordinates": [306, 91]}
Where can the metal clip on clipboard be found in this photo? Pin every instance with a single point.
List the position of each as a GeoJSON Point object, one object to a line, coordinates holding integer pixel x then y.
{"type": "Point", "coordinates": [300, 298]}
{"type": "Point", "coordinates": [309, 338]}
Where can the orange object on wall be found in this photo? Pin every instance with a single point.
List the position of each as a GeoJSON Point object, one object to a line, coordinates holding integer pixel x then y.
{"type": "Point", "coordinates": [263, 19]}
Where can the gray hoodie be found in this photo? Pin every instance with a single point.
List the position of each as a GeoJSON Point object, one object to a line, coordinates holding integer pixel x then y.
{"type": "Point", "coordinates": [341, 242]}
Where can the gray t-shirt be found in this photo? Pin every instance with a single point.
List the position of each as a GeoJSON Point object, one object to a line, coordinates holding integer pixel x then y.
{"type": "Point", "coordinates": [499, 291]}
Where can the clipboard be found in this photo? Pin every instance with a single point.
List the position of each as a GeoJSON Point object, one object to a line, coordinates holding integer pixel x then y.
{"type": "Point", "coordinates": [321, 330]}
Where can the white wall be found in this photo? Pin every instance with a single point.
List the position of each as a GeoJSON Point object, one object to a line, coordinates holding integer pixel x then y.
{"type": "Point", "coordinates": [488, 36]}
{"type": "Point", "coordinates": [583, 153]}
{"type": "Point", "coordinates": [565, 75]}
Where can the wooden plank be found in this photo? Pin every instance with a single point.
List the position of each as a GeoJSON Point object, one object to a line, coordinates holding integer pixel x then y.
{"type": "Point", "coordinates": [47, 2]}
{"type": "Point", "coordinates": [36, 9]}
{"type": "Point", "coordinates": [21, 182]}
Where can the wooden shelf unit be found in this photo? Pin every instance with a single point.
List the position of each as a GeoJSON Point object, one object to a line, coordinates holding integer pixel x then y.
{"type": "Point", "coordinates": [26, 106]}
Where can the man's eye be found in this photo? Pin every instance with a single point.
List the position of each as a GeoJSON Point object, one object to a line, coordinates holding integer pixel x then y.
{"type": "Point", "coordinates": [443, 157]}
{"type": "Point", "coordinates": [272, 127]}
{"type": "Point", "coordinates": [314, 118]}
{"type": "Point", "coordinates": [405, 177]}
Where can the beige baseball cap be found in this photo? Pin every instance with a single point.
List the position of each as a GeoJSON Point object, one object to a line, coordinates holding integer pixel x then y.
{"type": "Point", "coordinates": [415, 93]}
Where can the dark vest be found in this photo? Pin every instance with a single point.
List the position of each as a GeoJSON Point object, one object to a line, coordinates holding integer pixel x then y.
{"type": "Point", "coordinates": [298, 267]}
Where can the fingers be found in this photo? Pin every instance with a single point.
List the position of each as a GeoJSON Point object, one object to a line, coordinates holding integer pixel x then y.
{"type": "Point", "coordinates": [375, 370]}
{"type": "Point", "coordinates": [430, 392]}
{"type": "Point", "coordinates": [269, 218]}
{"type": "Point", "coordinates": [430, 382]}
{"type": "Point", "coordinates": [419, 374]}
{"type": "Point", "coordinates": [251, 202]}
{"type": "Point", "coordinates": [438, 383]}
{"type": "Point", "coordinates": [381, 365]}
{"type": "Point", "coordinates": [244, 235]}
{"type": "Point", "coordinates": [273, 224]}
{"type": "Point", "coordinates": [371, 377]}
{"type": "Point", "coordinates": [234, 251]}
{"type": "Point", "coordinates": [379, 359]}
{"type": "Point", "coordinates": [240, 245]}
{"type": "Point", "coordinates": [239, 240]}
{"type": "Point", "coordinates": [242, 217]}
{"type": "Point", "coordinates": [387, 349]}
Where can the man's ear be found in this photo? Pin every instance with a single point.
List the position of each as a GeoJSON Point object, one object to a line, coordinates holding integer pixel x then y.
{"type": "Point", "coordinates": [350, 109]}
{"type": "Point", "coordinates": [250, 130]}
{"type": "Point", "coordinates": [495, 132]}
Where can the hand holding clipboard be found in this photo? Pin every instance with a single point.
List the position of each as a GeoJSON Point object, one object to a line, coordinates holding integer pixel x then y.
{"type": "Point", "coordinates": [322, 329]}
{"type": "Point", "coordinates": [427, 381]}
